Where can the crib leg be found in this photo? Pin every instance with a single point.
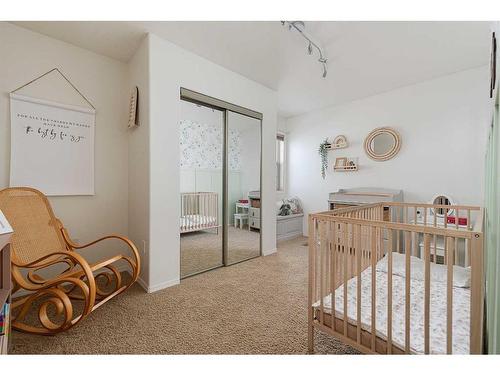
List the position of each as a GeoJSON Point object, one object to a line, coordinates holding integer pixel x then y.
{"type": "Point", "coordinates": [310, 338]}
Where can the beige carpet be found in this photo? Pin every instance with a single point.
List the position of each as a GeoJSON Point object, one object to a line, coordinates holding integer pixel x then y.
{"type": "Point", "coordinates": [203, 250]}
{"type": "Point", "coordinates": [258, 306]}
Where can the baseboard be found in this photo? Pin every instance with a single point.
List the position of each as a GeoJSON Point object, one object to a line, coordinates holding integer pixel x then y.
{"type": "Point", "coordinates": [125, 267]}
{"type": "Point", "coordinates": [142, 283]}
{"type": "Point", "coordinates": [153, 288]}
{"type": "Point", "coordinates": [289, 236]}
{"type": "Point", "coordinates": [163, 285]}
{"type": "Point", "coordinates": [266, 253]}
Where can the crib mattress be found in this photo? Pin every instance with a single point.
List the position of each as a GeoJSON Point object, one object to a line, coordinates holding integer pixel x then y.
{"type": "Point", "coordinates": [438, 312]}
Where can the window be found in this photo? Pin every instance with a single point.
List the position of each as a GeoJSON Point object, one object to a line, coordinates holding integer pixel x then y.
{"type": "Point", "coordinates": [280, 162]}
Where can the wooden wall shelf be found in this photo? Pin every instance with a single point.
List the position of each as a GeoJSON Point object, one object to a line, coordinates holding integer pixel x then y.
{"type": "Point", "coordinates": [348, 168]}
{"type": "Point", "coordinates": [337, 147]}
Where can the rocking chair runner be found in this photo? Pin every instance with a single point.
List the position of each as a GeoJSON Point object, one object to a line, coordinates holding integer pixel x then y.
{"type": "Point", "coordinates": [39, 242]}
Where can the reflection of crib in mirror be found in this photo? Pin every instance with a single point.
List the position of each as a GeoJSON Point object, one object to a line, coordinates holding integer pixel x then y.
{"type": "Point", "coordinates": [199, 211]}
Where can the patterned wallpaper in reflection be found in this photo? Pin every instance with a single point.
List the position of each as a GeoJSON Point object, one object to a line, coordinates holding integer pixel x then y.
{"type": "Point", "coordinates": [201, 146]}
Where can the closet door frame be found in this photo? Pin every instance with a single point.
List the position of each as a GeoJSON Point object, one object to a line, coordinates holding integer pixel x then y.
{"type": "Point", "coordinates": [225, 107]}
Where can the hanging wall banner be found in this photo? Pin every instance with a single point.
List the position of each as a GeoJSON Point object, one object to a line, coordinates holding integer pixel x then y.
{"type": "Point", "coordinates": [52, 146]}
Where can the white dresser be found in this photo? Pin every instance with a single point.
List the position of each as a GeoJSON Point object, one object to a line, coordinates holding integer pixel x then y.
{"type": "Point", "coordinates": [359, 196]}
{"type": "Point", "coordinates": [254, 210]}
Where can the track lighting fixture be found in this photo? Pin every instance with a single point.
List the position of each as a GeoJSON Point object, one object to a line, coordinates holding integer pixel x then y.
{"type": "Point", "coordinates": [300, 27]}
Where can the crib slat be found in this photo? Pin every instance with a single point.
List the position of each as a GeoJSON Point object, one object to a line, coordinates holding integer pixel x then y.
{"type": "Point", "coordinates": [414, 244]}
{"type": "Point", "coordinates": [398, 240]}
{"type": "Point", "coordinates": [358, 273]}
{"type": "Point", "coordinates": [427, 295]}
{"type": "Point", "coordinates": [183, 203]}
{"type": "Point", "coordinates": [196, 200]}
{"type": "Point", "coordinates": [346, 252]}
{"type": "Point", "coordinates": [322, 252]}
{"type": "Point", "coordinates": [183, 212]}
{"type": "Point", "coordinates": [312, 282]}
{"type": "Point", "coordinates": [206, 209]}
{"type": "Point", "coordinates": [449, 296]}
{"type": "Point", "coordinates": [389, 294]}
{"type": "Point", "coordinates": [203, 214]}
{"type": "Point", "coordinates": [407, 292]}
{"type": "Point", "coordinates": [198, 212]}
{"type": "Point", "coordinates": [203, 210]}
{"type": "Point", "coordinates": [333, 271]}
{"type": "Point", "coordinates": [373, 249]}
{"type": "Point", "coordinates": [211, 202]}
{"type": "Point", "coordinates": [445, 249]}
{"type": "Point", "coordinates": [467, 252]}
{"type": "Point", "coordinates": [190, 212]}
{"type": "Point", "coordinates": [193, 211]}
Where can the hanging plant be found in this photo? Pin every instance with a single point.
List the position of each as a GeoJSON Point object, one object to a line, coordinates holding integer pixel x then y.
{"type": "Point", "coordinates": [323, 153]}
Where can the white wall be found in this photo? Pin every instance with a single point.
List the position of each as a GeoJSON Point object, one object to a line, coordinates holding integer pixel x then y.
{"type": "Point", "coordinates": [26, 55]}
{"type": "Point", "coordinates": [443, 126]}
{"type": "Point", "coordinates": [138, 161]}
{"type": "Point", "coordinates": [281, 124]}
{"type": "Point", "coordinates": [171, 68]}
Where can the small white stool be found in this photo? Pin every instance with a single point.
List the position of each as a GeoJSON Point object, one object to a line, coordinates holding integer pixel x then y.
{"type": "Point", "coordinates": [240, 218]}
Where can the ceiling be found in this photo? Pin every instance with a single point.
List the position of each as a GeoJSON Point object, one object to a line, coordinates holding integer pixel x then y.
{"type": "Point", "coordinates": [364, 58]}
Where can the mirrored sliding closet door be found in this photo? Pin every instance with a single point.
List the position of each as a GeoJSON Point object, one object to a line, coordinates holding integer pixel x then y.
{"type": "Point", "coordinates": [201, 194]}
{"type": "Point", "coordinates": [220, 194]}
{"type": "Point", "coordinates": [243, 199]}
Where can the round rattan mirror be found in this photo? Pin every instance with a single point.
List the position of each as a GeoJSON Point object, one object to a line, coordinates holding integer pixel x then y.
{"type": "Point", "coordinates": [445, 200]}
{"type": "Point", "coordinates": [382, 144]}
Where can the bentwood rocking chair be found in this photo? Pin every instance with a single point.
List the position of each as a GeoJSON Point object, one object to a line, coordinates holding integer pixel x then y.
{"type": "Point", "coordinates": [40, 243]}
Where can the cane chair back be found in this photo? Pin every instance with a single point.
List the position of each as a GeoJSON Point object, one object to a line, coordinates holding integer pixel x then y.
{"type": "Point", "coordinates": [36, 229]}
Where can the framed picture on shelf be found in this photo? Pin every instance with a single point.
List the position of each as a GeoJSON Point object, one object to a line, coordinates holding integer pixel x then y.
{"type": "Point", "coordinates": [340, 162]}
{"type": "Point", "coordinates": [340, 141]}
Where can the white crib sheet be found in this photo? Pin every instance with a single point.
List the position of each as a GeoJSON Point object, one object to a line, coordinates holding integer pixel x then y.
{"type": "Point", "coordinates": [189, 221]}
{"type": "Point", "coordinates": [461, 311]}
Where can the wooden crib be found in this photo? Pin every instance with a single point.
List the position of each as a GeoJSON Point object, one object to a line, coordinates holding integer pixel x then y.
{"type": "Point", "coordinates": [199, 211]}
{"type": "Point", "coordinates": [376, 282]}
